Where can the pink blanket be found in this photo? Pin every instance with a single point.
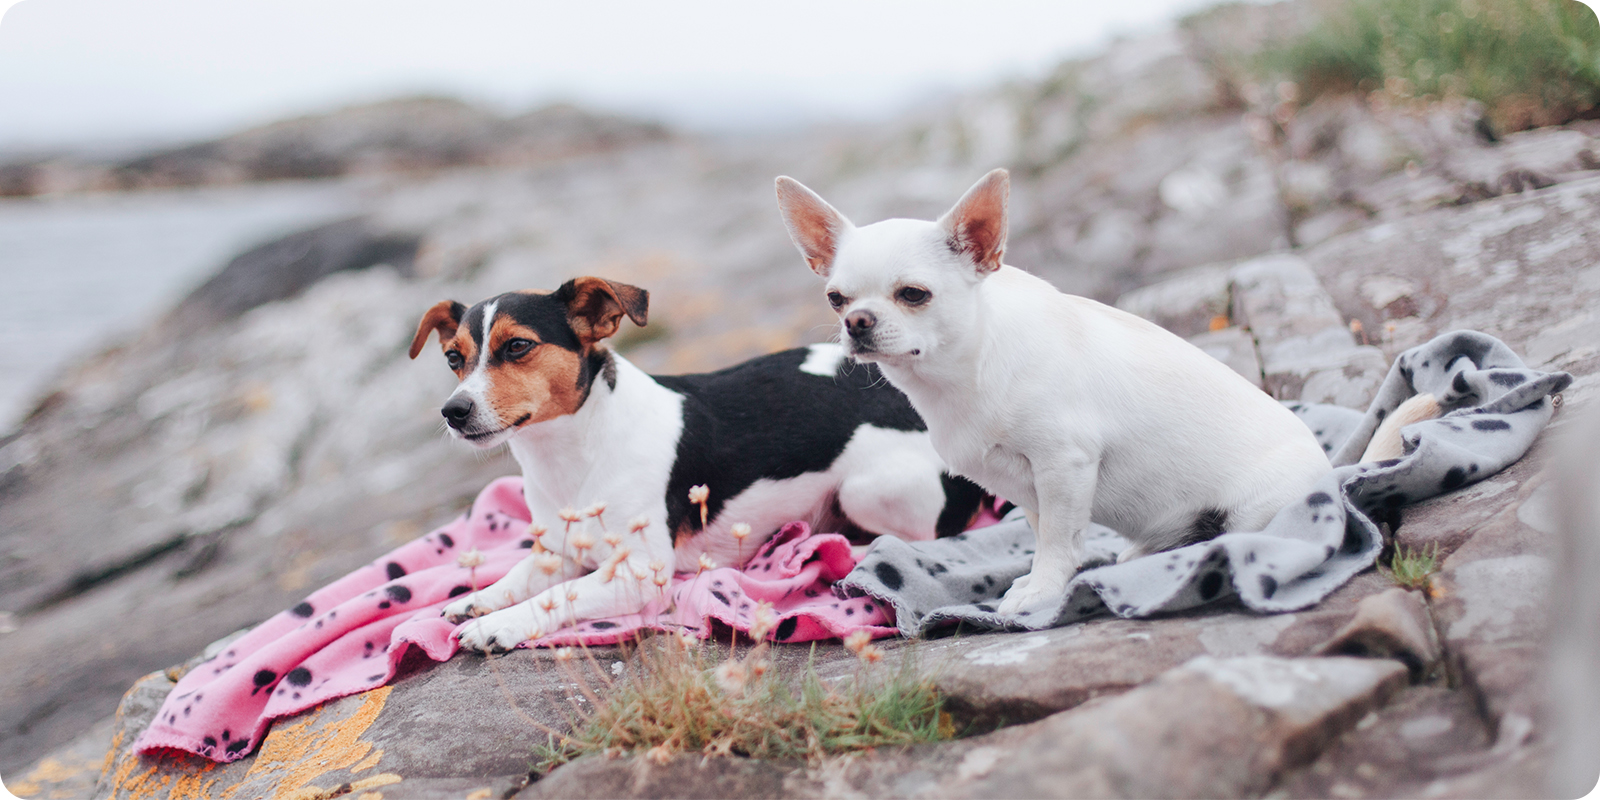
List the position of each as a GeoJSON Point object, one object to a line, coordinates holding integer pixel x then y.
{"type": "Point", "coordinates": [350, 636]}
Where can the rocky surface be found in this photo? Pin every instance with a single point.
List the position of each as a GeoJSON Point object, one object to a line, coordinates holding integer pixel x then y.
{"type": "Point", "coordinates": [176, 488]}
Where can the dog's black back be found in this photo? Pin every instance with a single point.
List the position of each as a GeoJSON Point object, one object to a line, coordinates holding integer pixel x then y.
{"type": "Point", "coordinates": [766, 418]}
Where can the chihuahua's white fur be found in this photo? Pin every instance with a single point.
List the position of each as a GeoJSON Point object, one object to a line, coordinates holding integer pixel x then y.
{"type": "Point", "coordinates": [1071, 409]}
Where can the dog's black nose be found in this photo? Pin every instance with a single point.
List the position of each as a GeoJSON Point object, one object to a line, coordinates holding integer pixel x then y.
{"type": "Point", "coordinates": [456, 410]}
{"type": "Point", "coordinates": [859, 323]}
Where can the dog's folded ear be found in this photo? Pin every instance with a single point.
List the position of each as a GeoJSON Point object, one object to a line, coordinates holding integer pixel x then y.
{"type": "Point", "coordinates": [977, 224]}
{"type": "Point", "coordinates": [814, 225]}
{"type": "Point", "coordinates": [444, 317]}
{"type": "Point", "coordinates": [595, 306]}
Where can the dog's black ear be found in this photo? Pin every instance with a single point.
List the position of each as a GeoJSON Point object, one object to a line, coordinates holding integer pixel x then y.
{"type": "Point", "coordinates": [595, 306]}
{"type": "Point", "coordinates": [977, 224]}
{"type": "Point", "coordinates": [444, 317]}
{"type": "Point", "coordinates": [814, 225]}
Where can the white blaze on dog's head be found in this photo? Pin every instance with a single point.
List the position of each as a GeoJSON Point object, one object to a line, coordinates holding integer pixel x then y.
{"type": "Point", "coordinates": [901, 287]}
{"type": "Point", "coordinates": [527, 357]}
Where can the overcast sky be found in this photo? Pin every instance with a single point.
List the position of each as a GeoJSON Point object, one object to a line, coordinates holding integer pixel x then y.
{"type": "Point", "coordinates": [76, 72]}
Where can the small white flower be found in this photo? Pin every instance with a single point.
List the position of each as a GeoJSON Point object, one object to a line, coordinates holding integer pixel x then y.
{"type": "Point", "coordinates": [659, 754]}
{"type": "Point", "coordinates": [732, 676]}
{"type": "Point", "coordinates": [699, 494]}
{"type": "Point", "coordinates": [569, 514]}
{"type": "Point", "coordinates": [856, 641]}
{"type": "Point", "coordinates": [563, 654]}
{"type": "Point", "coordinates": [657, 566]}
{"type": "Point", "coordinates": [740, 531]}
{"type": "Point", "coordinates": [583, 541]}
{"type": "Point", "coordinates": [470, 559]}
{"type": "Point", "coordinates": [595, 510]}
{"type": "Point", "coordinates": [706, 562]}
{"type": "Point", "coordinates": [536, 531]}
{"type": "Point", "coordinates": [548, 604]}
{"type": "Point", "coordinates": [763, 621]}
{"type": "Point", "coordinates": [608, 570]}
{"type": "Point", "coordinates": [612, 539]}
{"type": "Point", "coordinates": [547, 562]}
{"type": "Point", "coordinates": [638, 524]}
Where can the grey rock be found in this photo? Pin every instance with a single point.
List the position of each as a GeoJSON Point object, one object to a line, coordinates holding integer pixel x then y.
{"type": "Point", "coordinates": [1393, 624]}
{"type": "Point", "coordinates": [287, 266]}
{"type": "Point", "coordinates": [72, 770]}
{"type": "Point", "coordinates": [997, 679]}
{"type": "Point", "coordinates": [1214, 727]}
{"type": "Point", "coordinates": [1307, 351]}
{"type": "Point", "coordinates": [1184, 303]}
{"type": "Point", "coordinates": [1423, 735]}
{"type": "Point", "coordinates": [1520, 268]}
{"type": "Point", "coordinates": [686, 775]}
{"type": "Point", "coordinates": [1232, 346]}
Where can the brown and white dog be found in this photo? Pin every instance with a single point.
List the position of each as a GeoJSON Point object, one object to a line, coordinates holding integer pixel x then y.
{"type": "Point", "coordinates": [799, 435]}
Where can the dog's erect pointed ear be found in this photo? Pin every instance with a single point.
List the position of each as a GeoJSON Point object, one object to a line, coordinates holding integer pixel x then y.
{"type": "Point", "coordinates": [445, 317]}
{"type": "Point", "coordinates": [814, 225]}
{"type": "Point", "coordinates": [977, 224]}
{"type": "Point", "coordinates": [595, 306]}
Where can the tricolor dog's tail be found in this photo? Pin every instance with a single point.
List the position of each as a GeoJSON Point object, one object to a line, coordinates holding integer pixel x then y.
{"type": "Point", "coordinates": [1386, 442]}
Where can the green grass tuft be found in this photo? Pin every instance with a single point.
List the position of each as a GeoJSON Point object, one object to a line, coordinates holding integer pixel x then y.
{"type": "Point", "coordinates": [1531, 62]}
{"type": "Point", "coordinates": [676, 699]}
{"type": "Point", "coordinates": [1414, 568]}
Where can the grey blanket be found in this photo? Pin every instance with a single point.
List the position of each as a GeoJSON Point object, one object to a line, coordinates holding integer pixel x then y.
{"type": "Point", "coordinates": [1494, 407]}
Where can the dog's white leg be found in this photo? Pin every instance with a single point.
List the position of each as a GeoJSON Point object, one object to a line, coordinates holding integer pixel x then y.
{"type": "Point", "coordinates": [1065, 490]}
{"type": "Point", "coordinates": [524, 580]}
{"type": "Point", "coordinates": [606, 592]}
{"type": "Point", "coordinates": [895, 499]}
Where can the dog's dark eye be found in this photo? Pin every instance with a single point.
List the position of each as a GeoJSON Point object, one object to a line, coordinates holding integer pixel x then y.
{"type": "Point", "coordinates": [517, 347]}
{"type": "Point", "coordinates": [913, 296]}
{"type": "Point", "coordinates": [454, 359]}
{"type": "Point", "coordinates": [836, 300]}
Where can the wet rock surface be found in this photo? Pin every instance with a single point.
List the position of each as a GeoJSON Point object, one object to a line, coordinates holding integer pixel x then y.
{"type": "Point", "coordinates": [173, 489]}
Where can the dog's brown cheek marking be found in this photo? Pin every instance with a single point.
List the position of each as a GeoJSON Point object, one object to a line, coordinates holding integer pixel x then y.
{"type": "Point", "coordinates": [543, 385]}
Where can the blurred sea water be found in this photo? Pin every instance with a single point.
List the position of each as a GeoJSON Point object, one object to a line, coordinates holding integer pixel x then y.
{"type": "Point", "coordinates": [79, 271]}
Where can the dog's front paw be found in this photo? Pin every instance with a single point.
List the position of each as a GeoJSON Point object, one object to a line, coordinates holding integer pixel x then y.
{"type": "Point", "coordinates": [1031, 593]}
{"type": "Point", "coordinates": [500, 631]}
{"type": "Point", "coordinates": [473, 605]}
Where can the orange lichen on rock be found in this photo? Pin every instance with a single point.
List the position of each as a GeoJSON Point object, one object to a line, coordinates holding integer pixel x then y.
{"type": "Point", "coordinates": [184, 783]}
{"type": "Point", "coordinates": [292, 756]}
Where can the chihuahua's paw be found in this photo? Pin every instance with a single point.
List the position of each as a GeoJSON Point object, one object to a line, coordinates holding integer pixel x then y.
{"type": "Point", "coordinates": [473, 605]}
{"type": "Point", "coordinates": [1032, 592]}
{"type": "Point", "coordinates": [500, 631]}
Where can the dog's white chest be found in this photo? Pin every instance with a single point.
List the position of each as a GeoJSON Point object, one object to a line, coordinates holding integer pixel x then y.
{"type": "Point", "coordinates": [986, 460]}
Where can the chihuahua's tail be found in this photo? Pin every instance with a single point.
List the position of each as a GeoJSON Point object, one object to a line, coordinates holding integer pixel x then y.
{"type": "Point", "coordinates": [1386, 442]}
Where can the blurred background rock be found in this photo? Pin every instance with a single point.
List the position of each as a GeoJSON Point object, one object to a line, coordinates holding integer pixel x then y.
{"type": "Point", "coordinates": [175, 467]}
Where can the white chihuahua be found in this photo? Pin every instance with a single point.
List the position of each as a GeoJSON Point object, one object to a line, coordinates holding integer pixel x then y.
{"type": "Point", "coordinates": [1074, 410]}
